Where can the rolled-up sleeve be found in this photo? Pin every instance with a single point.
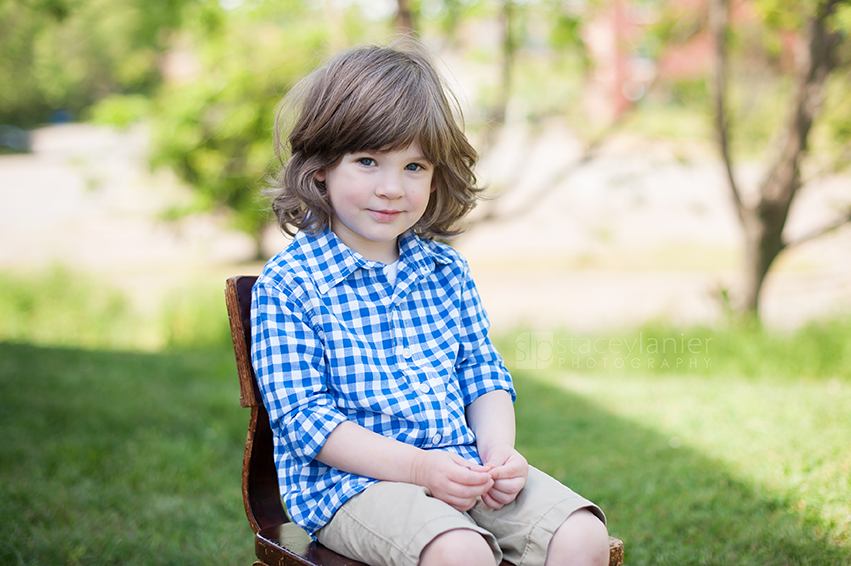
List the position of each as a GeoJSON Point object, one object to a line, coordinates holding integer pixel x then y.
{"type": "Point", "coordinates": [479, 366]}
{"type": "Point", "coordinates": [289, 361]}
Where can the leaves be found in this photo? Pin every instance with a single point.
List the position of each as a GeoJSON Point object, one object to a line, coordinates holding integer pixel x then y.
{"type": "Point", "coordinates": [215, 130]}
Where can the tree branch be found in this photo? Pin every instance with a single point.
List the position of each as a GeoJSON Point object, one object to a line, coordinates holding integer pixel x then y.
{"type": "Point", "coordinates": [718, 15]}
{"type": "Point", "coordinates": [819, 232]}
{"type": "Point", "coordinates": [589, 153]}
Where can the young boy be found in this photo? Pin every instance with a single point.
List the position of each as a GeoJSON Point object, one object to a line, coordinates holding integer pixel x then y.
{"type": "Point", "coordinates": [392, 411]}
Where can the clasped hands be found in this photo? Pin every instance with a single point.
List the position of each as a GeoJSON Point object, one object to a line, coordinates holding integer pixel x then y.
{"type": "Point", "coordinates": [460, 482]}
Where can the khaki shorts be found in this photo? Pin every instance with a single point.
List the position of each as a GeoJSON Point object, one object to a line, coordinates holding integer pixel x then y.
{"type": "Point", "coordinates": [391, 523]}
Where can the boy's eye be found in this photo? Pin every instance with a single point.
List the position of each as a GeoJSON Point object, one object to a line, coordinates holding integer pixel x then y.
{"type": "Point", "coordinates": [414, 167]}
{"type": "Point", "coordinates": [368, 161]}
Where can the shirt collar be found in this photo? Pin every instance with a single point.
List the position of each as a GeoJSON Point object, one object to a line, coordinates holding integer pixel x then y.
{"type": "Point", "coordinates": [330, 261]}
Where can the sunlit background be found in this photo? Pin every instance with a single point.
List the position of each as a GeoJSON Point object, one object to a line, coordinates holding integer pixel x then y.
{"type": "Point", "coordinates": [135, 138]}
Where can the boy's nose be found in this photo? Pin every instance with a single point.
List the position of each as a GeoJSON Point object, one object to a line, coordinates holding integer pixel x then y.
{"type": "Point", "coordinates": [390, 186]}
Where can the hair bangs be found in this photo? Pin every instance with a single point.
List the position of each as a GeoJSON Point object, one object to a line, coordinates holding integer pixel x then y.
{"type": "Point", "coordinates": [389, 110]}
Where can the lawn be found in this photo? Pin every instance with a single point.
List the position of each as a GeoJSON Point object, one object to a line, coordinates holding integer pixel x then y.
{"type": "Point", "coordinates": [112, 454]}
{"type": "Point", "coordinates": [697, 471]}
{"type": "Point", "coordinates": [120, 457]}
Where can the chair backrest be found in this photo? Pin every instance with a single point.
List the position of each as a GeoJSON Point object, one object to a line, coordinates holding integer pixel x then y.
{"type": "Point", "coordinates": [260, 491]}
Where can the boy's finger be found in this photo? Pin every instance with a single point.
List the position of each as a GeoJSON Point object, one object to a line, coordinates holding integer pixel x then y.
{"type": "Point", "coordinates": [459, 492]}
{"type": "Point", "coordinates": [508, 471]}
{"type": "Point", "coordinates": [491, 502]}
{"type": "Point", "coordinates": [466, 475]}
{"type": "Point", "coordinates": [480, 471]}
{"type": "Point", "coordinates": [471, 478]}
{"type": "Point", "coordinates": [503, 472]}
{"type": "Point", "coordinates": [509, 485]}
{"type": "Point", "coordinates": [470, 465]}
{"type": "Point", "coordinates": [502, 495]}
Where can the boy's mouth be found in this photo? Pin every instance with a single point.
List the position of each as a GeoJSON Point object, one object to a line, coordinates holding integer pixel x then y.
{"type": "Point", "coordinates": [385, 215]}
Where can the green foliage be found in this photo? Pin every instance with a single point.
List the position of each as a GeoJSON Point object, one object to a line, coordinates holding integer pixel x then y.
{"type": "Point", "coordinates": [565, 37]}
{"type": "Point", "coordinates": [215, 130]}
{"type": "Point", "coordinates": [120, 110]}
{"type": "Point", "coordinates": [842, 20]}
{"type": "Point", "coordinates": [760, 82]}
{"type": "Point", "coordinates": [566, 32]}
{"type": "Point", "coordinates": [674, 25]}
{"type": "Point", "coordinates": [783, 14]}
{"type": "Point", "coordinates": [831, 136]}
{"type": "Point", "coordinates": [688, 93]}
{"type": "Point", "coordinates": [68, 54]}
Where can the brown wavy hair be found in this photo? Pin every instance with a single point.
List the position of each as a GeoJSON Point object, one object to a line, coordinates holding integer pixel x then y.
{"type": "Point", "coordinates": [371, 99]}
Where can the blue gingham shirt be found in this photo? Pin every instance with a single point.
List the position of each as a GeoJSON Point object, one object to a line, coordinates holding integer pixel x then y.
{"type": "Point", "coordinates": [333, 340]}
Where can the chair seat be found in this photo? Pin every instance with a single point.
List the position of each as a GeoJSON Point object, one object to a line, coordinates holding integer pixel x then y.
{"type": "Point", "coordinates": [289, 545]}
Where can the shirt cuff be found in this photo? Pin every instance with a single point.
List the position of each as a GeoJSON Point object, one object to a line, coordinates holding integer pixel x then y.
{"type": "Point", "coordinates": [306, 431]}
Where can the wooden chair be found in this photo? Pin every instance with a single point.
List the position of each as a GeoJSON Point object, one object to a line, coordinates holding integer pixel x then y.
{"type": "Point", "coordinates": [278, 541]}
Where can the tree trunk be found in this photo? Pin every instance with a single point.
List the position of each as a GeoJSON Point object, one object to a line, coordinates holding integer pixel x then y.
{"type": "Point", "coordinates": [763, 243]}
{"type": "Point", "coordinates": [404, 18]}
{"type": "Point", "coordinates": [508, 48]}
{"type": "Point", "coordinates": [763, 222]}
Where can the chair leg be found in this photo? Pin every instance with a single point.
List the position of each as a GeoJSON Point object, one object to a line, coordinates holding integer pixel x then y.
{"type": "Point", "coordinates": [615, 552]}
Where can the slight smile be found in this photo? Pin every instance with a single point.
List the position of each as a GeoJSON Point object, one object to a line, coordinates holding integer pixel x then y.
{"type": "Point", "coordinates": [385, 215]}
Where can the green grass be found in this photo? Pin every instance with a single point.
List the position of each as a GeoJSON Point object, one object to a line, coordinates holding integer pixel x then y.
{"type": "Point", "coordinates": [112, 451]}
{"type": "Point", "coordinates": [117, 457]}
{"type": "Point", "coordinates": [59, 307]}
{"type": "Point", "coordinates": [696, 471]}
{"type": "Point", "coordinates": [819, 351]}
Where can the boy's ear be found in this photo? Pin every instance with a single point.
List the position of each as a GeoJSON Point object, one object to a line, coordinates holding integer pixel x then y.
{"type": "Point", "coordinates": [320, 175]}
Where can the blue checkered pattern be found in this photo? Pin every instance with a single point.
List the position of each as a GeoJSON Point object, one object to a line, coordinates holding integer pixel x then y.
{"type": "Point", "coordinates": [333, 340]}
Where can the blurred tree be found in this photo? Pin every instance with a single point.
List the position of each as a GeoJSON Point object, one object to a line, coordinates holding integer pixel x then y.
{"type": "Point", "coordinates": [764, 220]}
{"type": "Point", "coordinates": [405, 17]}
{"type": "Point", "coordinates": [214, 128]}
{"type": "Point", "coordinates": [66, 54]}
{"type": "Point", "coordinates": [510, 40]}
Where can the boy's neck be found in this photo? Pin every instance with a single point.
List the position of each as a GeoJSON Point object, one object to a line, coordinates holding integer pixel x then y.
{"type": "Point", "coordinates": [382, 252]}
{"type": "Point", "coordinates": [387, 257]}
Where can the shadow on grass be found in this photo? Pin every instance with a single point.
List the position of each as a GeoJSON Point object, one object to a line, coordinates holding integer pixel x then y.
{"type": "Point", "coordinates": [668, 505]}
{"type": "Point", "coordinates": [114, 457]}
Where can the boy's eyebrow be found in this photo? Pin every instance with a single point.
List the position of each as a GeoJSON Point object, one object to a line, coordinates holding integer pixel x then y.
{"type": "Point", "coordinates": [418, 157]}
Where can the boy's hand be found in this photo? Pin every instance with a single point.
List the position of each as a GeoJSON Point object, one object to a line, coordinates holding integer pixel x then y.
{"type": "Point", "coordinates": [509, 470]}
{"type": "Point", "coordinates": [451, 478]}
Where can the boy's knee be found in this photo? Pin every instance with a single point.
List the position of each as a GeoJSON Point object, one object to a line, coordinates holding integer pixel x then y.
{"type": "Point", "coordinates": [459, 547]}
{"type": "Point", "coordinates": [581, 540]}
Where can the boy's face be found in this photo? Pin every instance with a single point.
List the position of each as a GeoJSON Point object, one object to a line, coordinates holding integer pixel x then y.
{"type": "Point", "coordinates": [377, 195]}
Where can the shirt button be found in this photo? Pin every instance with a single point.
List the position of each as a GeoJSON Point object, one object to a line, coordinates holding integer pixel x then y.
{"type": "Point", "coordinates": [437, 438]}
{"type": "Point", "coordinates": [406, 353]}
{"type": "Point", "coordinates": [424, 388]}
